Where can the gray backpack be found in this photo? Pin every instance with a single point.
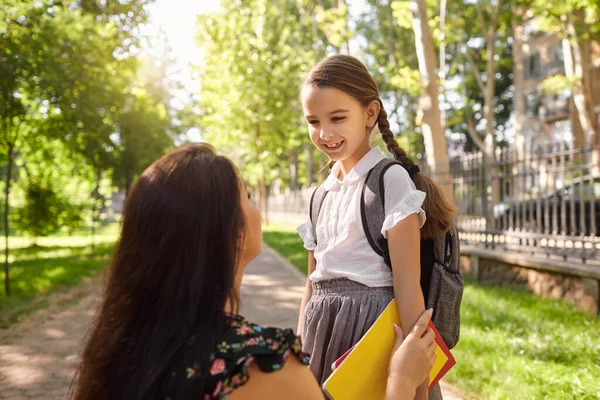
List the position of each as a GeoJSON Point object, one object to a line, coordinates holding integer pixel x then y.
{"type": "Point", "coordinates": [441, 282]}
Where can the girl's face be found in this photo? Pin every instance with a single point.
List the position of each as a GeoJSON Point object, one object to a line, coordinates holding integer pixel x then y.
{"type": "Point", "coordinates": [338, 123]}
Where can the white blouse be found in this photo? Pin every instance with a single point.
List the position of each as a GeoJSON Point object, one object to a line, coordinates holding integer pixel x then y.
{"type": "Point", "coordinates": [343, 250]}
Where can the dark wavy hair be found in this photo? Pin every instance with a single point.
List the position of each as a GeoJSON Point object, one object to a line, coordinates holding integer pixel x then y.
{"type": "Point", "coordinates": [172, 272]}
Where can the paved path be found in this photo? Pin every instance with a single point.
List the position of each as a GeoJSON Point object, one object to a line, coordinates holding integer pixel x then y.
{"type": "Point", "coordinates": [38, 357]}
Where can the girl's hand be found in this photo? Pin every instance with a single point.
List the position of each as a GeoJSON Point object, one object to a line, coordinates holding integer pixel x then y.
{"type": "Point", "coordinates": [412, 359]}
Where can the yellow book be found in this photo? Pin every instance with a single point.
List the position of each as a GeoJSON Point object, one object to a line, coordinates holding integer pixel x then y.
{"type": "Point", "coordinates": [363, 372]}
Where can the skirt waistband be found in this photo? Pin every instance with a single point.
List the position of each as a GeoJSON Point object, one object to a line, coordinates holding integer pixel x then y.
{"type": "Point", "coordinates": [345, 285]}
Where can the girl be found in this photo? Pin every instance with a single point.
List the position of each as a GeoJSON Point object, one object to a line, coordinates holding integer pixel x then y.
{"type": "Point", "coordinates": [349, 285]}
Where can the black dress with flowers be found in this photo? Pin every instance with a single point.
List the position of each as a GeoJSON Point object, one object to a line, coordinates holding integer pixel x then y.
{"type": "Point", "coordinates": [216, 375]}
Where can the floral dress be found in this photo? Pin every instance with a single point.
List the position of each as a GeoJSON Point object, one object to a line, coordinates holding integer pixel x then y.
{"type": "Point", "coordinates": [216, 375]}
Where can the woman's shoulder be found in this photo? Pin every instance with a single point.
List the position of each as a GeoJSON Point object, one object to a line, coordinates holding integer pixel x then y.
{"type": "Point", "coordinates": [244, 339]}
{"type": "Point", "coordinates": [241, 344]}
{"type": "Point", "coordinates": [294, 379]}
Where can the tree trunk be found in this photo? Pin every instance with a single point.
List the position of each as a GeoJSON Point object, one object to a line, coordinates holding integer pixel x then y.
{"type": "Point", "coordinates": [493, 184]}
{"type": "Point", "coordinates": [410, 111]}
{"type": "Point", "coordinates": [519, 82]}
{"type": "Point", "coordinates": [10, 154]}
{"type": "Point", "coordinates": [490, 86]}
{"type": "Point", "coordinates": [578, 134]}
{"type": "Point", "coordinates": [577, 67]}
{"type": "Point", "coordinates": [433, 132]}
{"type": "Point", "coordinates": [582, 94]}
{"type": "Point", "coordinates": [128, 183]}
{"type": "Point", "coordinates": [94, 228]}
{"type": "Point", "coordinates": [262, 186]}
{"type": "Point", "coordinates": [346, 44]}
{"type": "Point", "coordinates": [310, 164]}
{"type": "Point", "coordinates": [264, 199]}
{"type": "Point", "coordinates": [96, 196]}
{"type": "Point", "coordinates": [294, 171]}
{"type": "Point", "coordinates": [442, 73]}
{"type": "Point", "coordinates": [320, 50]}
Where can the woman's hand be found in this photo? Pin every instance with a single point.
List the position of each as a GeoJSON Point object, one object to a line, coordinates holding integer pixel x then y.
{"type": "Point", "coordinates": [412, 359]}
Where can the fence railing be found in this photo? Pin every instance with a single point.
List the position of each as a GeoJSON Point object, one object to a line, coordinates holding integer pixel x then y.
{"type": "Point", "coordinates": [543, 203]}
{"type": "Point", "coordinates": [546, 202]}
{"type": "Point", "coordinates": [290, 207]}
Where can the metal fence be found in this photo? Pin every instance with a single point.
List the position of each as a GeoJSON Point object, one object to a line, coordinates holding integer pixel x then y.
{"type": "Point", "coordinates": [290, 207]}
{"type": "Point", "coordinates": [546, 202]}
{"type": "Point", "coordinates": [543, 203]}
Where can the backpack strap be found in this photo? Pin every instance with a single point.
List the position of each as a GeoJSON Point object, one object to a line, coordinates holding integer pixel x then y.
{"type": "Point", "coordinates": [446, 257]}
{"type": "Point", "coordinates": [448, 248]}
{"type": "Point", "coordinates": [316, 202]}
{"type": "Point", "coordinates": [372, 208]}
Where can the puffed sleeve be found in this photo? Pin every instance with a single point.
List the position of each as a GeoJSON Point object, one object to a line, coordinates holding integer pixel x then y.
{"type": "Point", "coordinates": [402, 199]}
{"type": "Point", "coordinates": [308, 235]}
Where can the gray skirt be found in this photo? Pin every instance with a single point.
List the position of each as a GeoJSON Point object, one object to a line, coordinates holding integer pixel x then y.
{"type": "Point", "coordinates": [338, 314]}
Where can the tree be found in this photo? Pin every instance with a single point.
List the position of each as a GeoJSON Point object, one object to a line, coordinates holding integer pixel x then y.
{"type": "Point", "coordinates": [485, 105]}
{"type": "Point", "coordinates": [433, 131]}
{"type": "Point", "coordinates": [576, 22]}
{"type": "Point", "coordinates": [49, 195]}
{"type": "Point", "coordinates": [255, 58]}
{"type": "Point", "coordinates": [429, 115]}
{"type": "Point", "coordinates": [58, 77]}
{"type": "Point", "coordinates": [39, 216]}
{"type": "Point", "coordinates": [144, 126]}
{"type": "Point", "coordinates": [389, 53]}
{"type": "Point", "coordinates": [332, 19]}
{"type": "Point", "coordinates": [18, 64]}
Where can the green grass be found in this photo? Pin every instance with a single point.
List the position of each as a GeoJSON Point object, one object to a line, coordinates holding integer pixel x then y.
{"type": "Point", "coordinates": [516, 344]}
{"type": "Point", "coordinates": [513, 344]}
{"type": "Point", "coordinates": [285, 240]}
{"type": "Point", "coordinates": [53, 265]}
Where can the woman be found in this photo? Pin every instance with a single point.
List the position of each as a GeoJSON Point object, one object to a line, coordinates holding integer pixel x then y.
{"type": "Point", "coordinates": [168, 326]}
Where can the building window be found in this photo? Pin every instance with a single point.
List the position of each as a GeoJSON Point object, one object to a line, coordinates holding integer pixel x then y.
{"type": "Point", "coordinates": [557, 53]}
{"type": "Point", "coordinates": [562, 131]}
{"type": "Point", "coordinates": [532, 103]}
{"type": "Point", "coordinates": [532, 66]}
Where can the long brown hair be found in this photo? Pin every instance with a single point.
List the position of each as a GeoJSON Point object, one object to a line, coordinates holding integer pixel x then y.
{"type": "Point", "coordinates": [349, 75]}
{"type": "Point", "coordinates": [172, 272]}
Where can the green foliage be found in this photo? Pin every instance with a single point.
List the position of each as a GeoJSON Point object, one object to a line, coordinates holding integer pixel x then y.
{"type": "Point", "coordinates": [49, 195]}
{"type": "Point", "coordinates": [557, 84]}
{"type": "Point", "coordinates": [334, 22]}
{"type": "Point", "coordinates": [390, 55]}
{"type": "Point", "coordinates": [552, 16]}
{"type": "Point", "coordinates": [145, 127]}
{"type": "Point", "coordinates": [71, 90]}
{"type": "Point", "coordinates": [256, 54]}
{"type": "Point", "coordinates": [54, 265]}
{"type": "Point", "coordinates": [39, 216]}
{"type": "Point", "coordinates": [463, 35]}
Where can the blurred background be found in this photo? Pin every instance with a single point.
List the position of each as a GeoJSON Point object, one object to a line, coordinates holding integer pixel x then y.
{"type": "Point", "coordinates": [499, 100]}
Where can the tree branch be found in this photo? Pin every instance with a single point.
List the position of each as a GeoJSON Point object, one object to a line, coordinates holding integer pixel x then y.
{"type": "Point", "coordinates": [495, 12]}
{"type": "Point", "coordinates": [491, 33]}
{"type": "Point", "coordinates": [481, 17]}
{"type": "Point", "coordinates": [473, 134]}
{"type": "Point", "coordinates": [476, 71]}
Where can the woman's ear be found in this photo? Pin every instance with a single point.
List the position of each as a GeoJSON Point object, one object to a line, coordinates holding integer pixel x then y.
{"type": "Point", "coordinates": [373, 112]}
